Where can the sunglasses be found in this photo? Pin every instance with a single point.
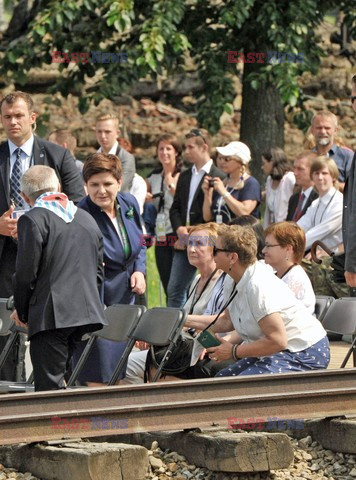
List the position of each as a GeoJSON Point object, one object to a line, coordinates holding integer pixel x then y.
{"type": "Point", "coordinates": [216, 250]}
{"type": "Point", "coordinates": [195, 133]}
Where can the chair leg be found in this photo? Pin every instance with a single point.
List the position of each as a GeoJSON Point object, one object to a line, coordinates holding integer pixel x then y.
{"type": "Point", "coordinates": [352, 349]}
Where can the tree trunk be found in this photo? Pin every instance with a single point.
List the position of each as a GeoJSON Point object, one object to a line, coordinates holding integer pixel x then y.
{"type": "Point", "coordinates": [262, 119]}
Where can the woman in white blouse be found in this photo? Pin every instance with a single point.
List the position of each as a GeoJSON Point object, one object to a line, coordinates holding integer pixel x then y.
{"type": "Point", "coordinates": [279, 185]}
{"type": "Point", "coordinates": [284, 251]}
{"type": "Point", "coordinates": [274, 333]}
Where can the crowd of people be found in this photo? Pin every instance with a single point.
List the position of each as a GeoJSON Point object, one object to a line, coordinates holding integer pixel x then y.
{"type": "Point", "coordinates": [74, 237]}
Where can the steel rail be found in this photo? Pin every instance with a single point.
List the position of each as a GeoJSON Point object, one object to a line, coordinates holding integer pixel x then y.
{"type": "Point", "coordinates": [177, 415]}
{"type": "Point", "coordinates": [189, 390]}
{"type": "Point", "coordinates": [175, 405]}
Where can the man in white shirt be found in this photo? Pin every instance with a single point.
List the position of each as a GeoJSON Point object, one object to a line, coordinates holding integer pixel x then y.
{"type": "Point", "coordinates": [323, 218]}
{"type": "Point", "coordinates": [187, 209]}
{"type": "Point", "coordinates": [107, 132]}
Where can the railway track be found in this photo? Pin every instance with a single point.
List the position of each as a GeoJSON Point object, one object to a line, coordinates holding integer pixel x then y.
{"type": "Point", "coordinates": [84, 412]}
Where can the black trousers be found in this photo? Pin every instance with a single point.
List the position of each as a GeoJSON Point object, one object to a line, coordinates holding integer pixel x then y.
{"type": "Point", "coordinates": [50, 352]}
{"type": "Point", "coordinates": [164, 258]}
{"type": "Point", "coordinates": [7, 269]}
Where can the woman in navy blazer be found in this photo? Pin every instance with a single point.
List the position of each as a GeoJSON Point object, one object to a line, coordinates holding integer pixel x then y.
{"type": "Point", "coordinates": [117, 215]}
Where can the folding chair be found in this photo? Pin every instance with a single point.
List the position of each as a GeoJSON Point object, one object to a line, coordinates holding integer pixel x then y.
{"type": "Point", "coordinates": [322, 304]}
{"type": "Point", "coordinates": [122, 320]}
{"type": "Point", "coordinates": [341, 318]}
{"type": "Point", "coordinates": [158, 326]}
{"type": "Point", "coordinates": [9, 328]}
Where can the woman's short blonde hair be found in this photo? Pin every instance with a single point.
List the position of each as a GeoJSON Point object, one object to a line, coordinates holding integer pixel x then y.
{"type": "Point", "coordinates": [289, 233]}
{"type": "Point", "coordinates": [210, 227]}
{"type": "Point", "coordinates": [241, 240]}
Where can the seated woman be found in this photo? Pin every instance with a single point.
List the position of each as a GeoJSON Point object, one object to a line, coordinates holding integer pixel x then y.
{"type": "Point", "coordinates": [284, 251]}
{"type": "Point", "coordinates": [274, 332]}
{"type": "Point", "coordinates": [239, 194]}
{"type": "Point", "coordinates": [200, 254]}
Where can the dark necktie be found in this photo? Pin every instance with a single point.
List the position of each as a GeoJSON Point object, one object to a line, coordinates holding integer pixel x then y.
{"type": "Point", "coordinates": [15, 180]}
{"type": "Point", "coordinates": [298, 210]}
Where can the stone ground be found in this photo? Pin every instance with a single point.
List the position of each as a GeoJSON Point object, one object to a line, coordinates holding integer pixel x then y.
{"type": "Point", "coordinates": [311, 462]}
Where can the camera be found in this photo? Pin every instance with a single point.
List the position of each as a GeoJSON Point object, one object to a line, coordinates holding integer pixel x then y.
{"type": "Point", "coordinates": [158, 195]}
{"type": "Point", "coordinates": [211, 183]}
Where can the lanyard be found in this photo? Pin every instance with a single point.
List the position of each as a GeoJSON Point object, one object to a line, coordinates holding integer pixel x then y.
{"type": "Point", "coordinates": [195, 301]}
{"type": "Point", "coordinates": [317, 208]}
{"type": "Point", "coordinates": [232, 296]}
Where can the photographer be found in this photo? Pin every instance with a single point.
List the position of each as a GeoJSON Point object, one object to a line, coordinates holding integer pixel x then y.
{"type": "Point", "coordinates": [239, 194]}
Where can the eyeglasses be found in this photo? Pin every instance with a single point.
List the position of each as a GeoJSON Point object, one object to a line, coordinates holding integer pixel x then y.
{"type": "Point", "coordinates": [216, 250]}
{"type": "Point", "coordinates": [195, 133]}
{"type": "Point", "coordinates": [353, 98]}
{"type": "Point", "coordinates": [269, 245]}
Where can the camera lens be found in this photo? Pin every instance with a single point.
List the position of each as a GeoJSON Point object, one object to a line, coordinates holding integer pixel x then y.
{"type": "Point", "coordinates": [211, 183]}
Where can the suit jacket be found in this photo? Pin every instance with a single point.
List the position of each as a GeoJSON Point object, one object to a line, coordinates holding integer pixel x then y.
{"type": "Point", "coordinates": [293, 203]}
{"type": "Point", "coordinates": [128, 168]}
{"type": "Point", "coordinates": [59, 271]}
{"type": "Point", "coordinates": [178, 211]}
{"type": "Point", "coordinates": [118, 269]}
{"type": "Point", "coordinates": [44, 153]}
{"type": "Point", "coordinates": [349, 219]}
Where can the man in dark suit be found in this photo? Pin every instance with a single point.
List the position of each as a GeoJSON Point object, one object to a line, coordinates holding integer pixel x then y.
{"type": "Point", "coordinates": [17, 154]}
{"type": "Point", "coordinates": [187, 210]}
{"type": "Point", "coordinates": [107, 132]}
{"type": "Point", "coordinates": [300, 202]}
{"type": "Point", "coordinates": [60, 251]}
{"type": "Point", "coordinates": [349, 213]}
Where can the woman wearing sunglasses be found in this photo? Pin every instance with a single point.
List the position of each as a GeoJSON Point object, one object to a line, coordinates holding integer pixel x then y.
{"type": "Point", "coordinates": [239, 194]}
{"type": "Point", "coordinates": [274, 332]}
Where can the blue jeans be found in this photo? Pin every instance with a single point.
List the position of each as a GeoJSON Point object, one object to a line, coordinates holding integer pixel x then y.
{"type": "Point", "coordinates": [182, 274]}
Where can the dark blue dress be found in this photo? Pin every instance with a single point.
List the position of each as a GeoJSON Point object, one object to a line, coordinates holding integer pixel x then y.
{"type": "Point", "coordinates": [118, 270]}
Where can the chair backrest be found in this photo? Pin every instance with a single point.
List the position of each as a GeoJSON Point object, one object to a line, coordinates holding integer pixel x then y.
{"type": "Point", "coordinates": [160, 326]}
{"type": "Point", "coordinates": [322, 305]}
{"type": "Point", "coordinates": [6, 324]}
{"type": "Point", "coordinates": [122, 321]}
{"type": "Point", "coordinates": [341, 317]}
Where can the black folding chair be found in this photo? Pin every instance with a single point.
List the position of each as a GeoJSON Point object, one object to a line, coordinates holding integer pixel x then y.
{"type": "Point", "coordinates": [8, 327]}
{"type": "Point", "coordinates": [122, 321]}
{"type": "Point", "coordinates": [322, 305]}
{"type": "Point", "coordinates": [158, 327]}
{"type": "Point", "coordinates": [341, 319]}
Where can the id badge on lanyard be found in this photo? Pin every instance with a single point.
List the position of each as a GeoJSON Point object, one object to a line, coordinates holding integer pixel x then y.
{"type": "Point", "coordinates": [161, 227]}
{"type": "Point", "coordinates": [218, 216]}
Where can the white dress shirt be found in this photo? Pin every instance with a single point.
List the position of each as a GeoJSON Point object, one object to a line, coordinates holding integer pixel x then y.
{"type": "Point", "coordinates": [194, 183]}
{"type": "Point", "coordinates": [26, 154]}
{"type": "Point", "coordinates": [323, 220]}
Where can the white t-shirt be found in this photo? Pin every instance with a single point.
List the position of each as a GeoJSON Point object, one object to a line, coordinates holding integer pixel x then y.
{"type": "Point", "coordinates": [261, 293]}
{"type": "Point", "coordinates": [300, 284]}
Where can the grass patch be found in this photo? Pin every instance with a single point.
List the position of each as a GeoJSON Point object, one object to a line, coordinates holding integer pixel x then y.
{"type": "Point", "coordinates": [154, 292]}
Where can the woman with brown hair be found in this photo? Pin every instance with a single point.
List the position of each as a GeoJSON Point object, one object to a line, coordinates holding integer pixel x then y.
{"type": "Point", "coordinates": [279, 185]}
{"type": "Point", "coordinates": [161, 187]}
{"type": "Point", "coordinates": [117, 215]}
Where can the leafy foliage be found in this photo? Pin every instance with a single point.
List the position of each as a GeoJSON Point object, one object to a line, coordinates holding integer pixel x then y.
{"type": "Point", "coordinates": [161, 37]}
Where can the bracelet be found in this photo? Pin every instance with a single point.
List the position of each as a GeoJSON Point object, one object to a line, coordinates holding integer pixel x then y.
{"type": "Point", "coordinates": [234, 356]}
{"type": "Point", "coordinates": [227, 194]}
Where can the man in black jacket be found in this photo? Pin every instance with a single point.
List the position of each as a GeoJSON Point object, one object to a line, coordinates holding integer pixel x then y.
{"type": "Point", "coordinates": [300, 202]}
{"type": "Point", "coordinates": [60, 251]}
{"type": "Point", "coordinates": [17, 154]}
{"type": "Point", "coordinates": [187, 210]}
{"type": "Point", "coordinates": [349, 214]}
